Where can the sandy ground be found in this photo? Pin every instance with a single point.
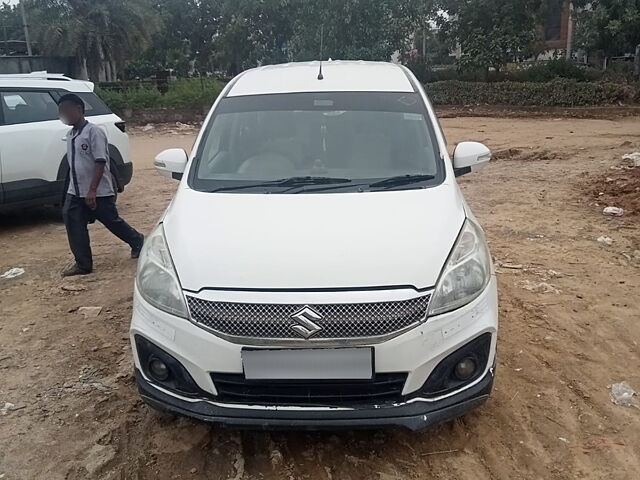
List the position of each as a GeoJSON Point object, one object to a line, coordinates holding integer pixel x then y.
{"type": "Point", "coordinates": [76, 413]}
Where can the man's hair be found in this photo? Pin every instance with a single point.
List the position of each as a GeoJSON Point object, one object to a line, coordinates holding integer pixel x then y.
{"type": "Point", "coordinates": [72, 98]}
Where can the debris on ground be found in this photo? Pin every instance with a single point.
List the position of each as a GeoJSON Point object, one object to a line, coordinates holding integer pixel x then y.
{"type": "Point", "coordinates": [512, 266]}
{"type": "Point", "coordinates": [8, 406]}
{"type": "Point", "coordinates": [73, 288]}
{"type": "Point", "coordinates": [605, 240]}
{"type": "Point", "coordinates": [509, 267]}
{"type": "Point", "coordinates": [276, 458]}
{"type": "Point", "coordinates": [620, 188]}
{"type": "Point", "coordinates": [148, 127]}
{"type": "Point", "coordinates": [541, 287]}
{"type": "Point", "coordinates": [552, 274]}
{"type": "Point", "coordinates": [90, 312]}
{"type": "Point", "coordinates": [634, 157]}
{"type": "Point", "coordinates": [630, 257]}
{"type": "Point", "coordinates": [12, 273]}
{"type": "Point", "coordinates": [89, 378]}
{"type": "Point", "coordinates": [613, 211]}
{"type": "Point", "coordinates": [622, 394]}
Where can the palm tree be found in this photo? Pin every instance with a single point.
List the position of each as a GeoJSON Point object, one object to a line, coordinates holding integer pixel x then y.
{"type": "Point", "coordinates": [100, 34]}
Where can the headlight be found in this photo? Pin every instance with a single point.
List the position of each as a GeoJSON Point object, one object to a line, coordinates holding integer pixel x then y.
{"type": "Point", "coordinates": [157, 280]}
{"type": "Point", "coordinates": [466, 273]}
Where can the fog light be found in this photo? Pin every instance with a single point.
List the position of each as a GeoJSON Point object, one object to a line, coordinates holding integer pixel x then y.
{"type": "Point", "coordinates": [465, 368]}
{"type": "Point", "coordinates": [158, 369]}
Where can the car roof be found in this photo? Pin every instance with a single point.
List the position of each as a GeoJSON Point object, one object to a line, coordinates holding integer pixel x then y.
{"type": "Point", "coordinates": [44, 80]}
{"type": "Point", "coordinates": [339, 76]}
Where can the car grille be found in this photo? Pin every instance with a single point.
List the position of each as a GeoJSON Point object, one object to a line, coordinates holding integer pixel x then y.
{"type": "Point", "coordinates": [330, 321]}
{"type": "Point", "coordinates": [234, 388]}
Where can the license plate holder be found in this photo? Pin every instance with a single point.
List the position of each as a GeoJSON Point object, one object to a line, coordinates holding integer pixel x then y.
{"type": "Point", "coordinates": [308, 364]}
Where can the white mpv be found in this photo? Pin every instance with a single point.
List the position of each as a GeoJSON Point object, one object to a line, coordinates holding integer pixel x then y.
{"type": "Point", "coordinates": [318, 266]}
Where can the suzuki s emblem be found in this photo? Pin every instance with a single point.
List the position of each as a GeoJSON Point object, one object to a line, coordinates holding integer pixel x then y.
{"type": "Point", "coordinates": [306, 326]}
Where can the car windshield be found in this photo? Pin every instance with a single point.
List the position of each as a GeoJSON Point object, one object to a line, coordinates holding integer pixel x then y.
{"type": "Point", "coordinates": [305, 142]}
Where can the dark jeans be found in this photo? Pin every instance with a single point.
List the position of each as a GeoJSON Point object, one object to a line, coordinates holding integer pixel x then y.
{"type": "Point", "coordinates": [77, 215]}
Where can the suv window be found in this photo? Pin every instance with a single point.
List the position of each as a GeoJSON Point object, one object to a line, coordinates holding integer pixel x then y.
{"type": "Point", "coordinates": [27, 107]}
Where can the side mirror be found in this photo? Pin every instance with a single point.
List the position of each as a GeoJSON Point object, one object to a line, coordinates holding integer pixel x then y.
{"type": "Point", "coordinates": [171, 163]}
{"type": "Point", "coordinates": [470, 157]}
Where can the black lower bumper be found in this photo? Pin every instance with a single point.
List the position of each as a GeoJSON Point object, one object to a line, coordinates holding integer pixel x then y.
{"type": "Point", "coordinates": [413, 414]}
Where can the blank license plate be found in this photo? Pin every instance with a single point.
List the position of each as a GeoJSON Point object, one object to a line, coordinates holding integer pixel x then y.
{"type": "Point", "coordinates": [311, 364]}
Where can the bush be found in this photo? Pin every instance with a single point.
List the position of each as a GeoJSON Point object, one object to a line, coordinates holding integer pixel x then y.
{"type": "Point", "coordinates": [559, 92]}
{"type": "Point", "coordinates": [538, 72]}
{"type": "Point", "coordinates": [192, 94]}
{"type": "Point", "coordinates": [187, 93]}
{"type": "Point", "coordinates": [196, 94]}
{"type": "Point", "coordinates": [547, 71]}
{"type": "Point", "coordinates": [619, 71]}
{"type": "Point", "coordinates": [427, 74]}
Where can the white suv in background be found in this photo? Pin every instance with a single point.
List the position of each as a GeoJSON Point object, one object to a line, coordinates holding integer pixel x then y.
{"type": "Point", "coordinates": [318, 266]}
{"type": "Point", "coordinates": [33, 163]}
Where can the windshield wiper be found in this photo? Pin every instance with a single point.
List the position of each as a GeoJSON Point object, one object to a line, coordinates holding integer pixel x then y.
{"type": "Point", "coordinates": [401, 180]}
{"type": "Point", "coordinates": [357, 186]}
{"type": "Point", "coordinates": [287, 182]}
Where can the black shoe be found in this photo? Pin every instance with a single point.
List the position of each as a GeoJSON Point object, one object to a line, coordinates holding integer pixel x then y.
{"type": "Point", "coordinates": [74, 270]}
{"type": "Point", "coordinates": [135, 251]}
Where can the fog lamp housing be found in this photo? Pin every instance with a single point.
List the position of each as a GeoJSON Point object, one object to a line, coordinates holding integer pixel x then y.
{"type": "Point", "coordinates": [460, 368]}
{"type": "Point", "coordinates": [165, 370]}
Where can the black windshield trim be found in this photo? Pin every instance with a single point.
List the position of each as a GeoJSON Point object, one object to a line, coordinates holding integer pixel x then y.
{"type": "Point", "coordinates": [355, 101]}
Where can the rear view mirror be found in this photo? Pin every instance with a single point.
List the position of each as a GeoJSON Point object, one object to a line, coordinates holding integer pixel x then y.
{"type": "Point", "coordinates": [171, 163]}
{"type": "Point", "coordinates": [470, 157]}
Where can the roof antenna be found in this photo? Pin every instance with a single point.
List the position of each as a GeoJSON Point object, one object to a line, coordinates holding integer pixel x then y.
{"type": "Point", "coordinates": [320, 76]}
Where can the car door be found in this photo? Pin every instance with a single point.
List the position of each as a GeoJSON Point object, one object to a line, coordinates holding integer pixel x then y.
{"type": "Point", "coordinates": [31, 145]}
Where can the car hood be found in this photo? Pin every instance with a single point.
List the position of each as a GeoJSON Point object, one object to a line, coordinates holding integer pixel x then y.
{"type": "Point", "coordinates": [313, 241]}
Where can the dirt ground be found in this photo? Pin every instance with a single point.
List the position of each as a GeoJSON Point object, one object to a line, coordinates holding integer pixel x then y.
{"type": "Point", "coordinates": [570, 327]}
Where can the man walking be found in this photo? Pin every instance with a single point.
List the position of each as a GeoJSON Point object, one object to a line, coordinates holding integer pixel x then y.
{"type": "Point", "coordinates": [91, 193]}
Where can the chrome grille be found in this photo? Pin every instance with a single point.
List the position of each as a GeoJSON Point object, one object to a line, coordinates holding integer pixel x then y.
{"type": "Point", "coordinates": [337, 320]}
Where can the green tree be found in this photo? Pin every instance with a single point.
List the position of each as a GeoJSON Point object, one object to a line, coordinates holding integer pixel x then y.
{"type": "Point", "coordinates": [357, 29]}
{"type": "Point", "coordinates": [185, 41]}
{"type": "Point", "coordinates": [254, 32]}
{"type": "Point", "coordinates": [612, 26]}
{"type": "Point", "coordinates": [490, 33]}
{"type": "Point", "coordinates": [101, 34]}
{"type": "Point", "coordinates": [271, 31]}
{"type": "Point", "coordinates": [232, 35]}
{"type": "Point", "coordinates": [10, 29]}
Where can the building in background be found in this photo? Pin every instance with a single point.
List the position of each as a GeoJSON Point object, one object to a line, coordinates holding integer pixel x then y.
{"type": "Point", "coordinates": [556, 27]}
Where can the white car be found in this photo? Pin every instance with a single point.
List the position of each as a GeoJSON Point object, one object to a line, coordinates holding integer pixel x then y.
{"type": "Point", "coordinates": [318, 266]}
{"type": "Point", "coordinates": [33, 164]}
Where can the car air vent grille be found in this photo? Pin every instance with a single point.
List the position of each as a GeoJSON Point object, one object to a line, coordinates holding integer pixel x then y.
{"type": "Point", "coordinates": [384, 388]}
{"type": "Point", "coordinates": [336, 321]}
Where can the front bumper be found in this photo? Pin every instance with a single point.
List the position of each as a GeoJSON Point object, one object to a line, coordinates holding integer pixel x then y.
{"type": "Point", "coordinates": [415, 414]}
{"type": "Point", "coordinates": [417, 352]}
